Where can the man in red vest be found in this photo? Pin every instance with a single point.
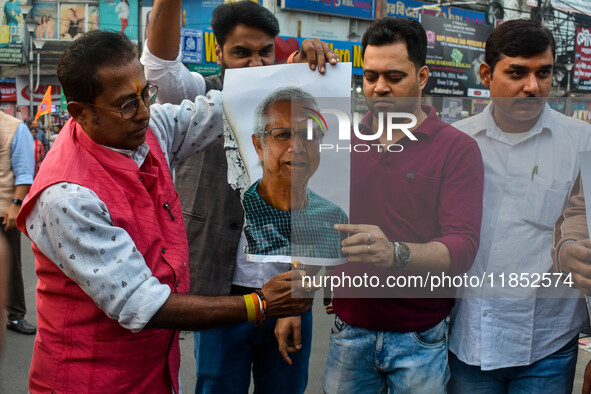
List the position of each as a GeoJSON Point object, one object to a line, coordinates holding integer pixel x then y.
{"type": "Point", "coordinates": [108, 235]}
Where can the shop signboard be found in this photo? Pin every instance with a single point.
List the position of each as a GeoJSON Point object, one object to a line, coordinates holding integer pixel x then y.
{"type": "Point", "coordinates": [359, 9]}
{"type": "Point", "coordinates": [23, 93]}
{"type": "Point", "coordinates": [348, 51]}
{"type": "Point", "coordinates": [8, 90]}
{"type": "Point", "coordinates": [413, 9]}
{"type": "Point", "coordinates": [581, 73]}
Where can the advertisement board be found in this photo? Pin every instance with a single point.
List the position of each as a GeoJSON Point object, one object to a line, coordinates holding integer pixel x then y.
{"type": "Point", "coordinates": [12, 31]}
{"type": "Point", "coordinates": [455, 50]}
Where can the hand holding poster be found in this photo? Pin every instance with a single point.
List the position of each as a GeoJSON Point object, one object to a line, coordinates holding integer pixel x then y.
{"type": "Point", "coordinates": [275, 118]}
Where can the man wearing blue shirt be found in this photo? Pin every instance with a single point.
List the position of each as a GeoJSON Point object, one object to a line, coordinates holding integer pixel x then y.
{"type": "Point", "coordinates": [16, 176]}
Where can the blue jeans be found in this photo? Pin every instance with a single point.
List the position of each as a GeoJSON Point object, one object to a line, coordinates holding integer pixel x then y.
{"type": "Point", "coordinates": [367, 361]}
{"type": "Point", "coordinates": [226, 356]}
{"type": "Point", "coordinates": [553, 374]}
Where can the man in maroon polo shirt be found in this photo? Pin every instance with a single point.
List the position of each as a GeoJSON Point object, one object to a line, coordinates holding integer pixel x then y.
{"type": "Point", "coordinates": [416, 209]}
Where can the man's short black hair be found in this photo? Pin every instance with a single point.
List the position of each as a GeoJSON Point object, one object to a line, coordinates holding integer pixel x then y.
{"type": "Point", "coordinates": [77, 69]}
{"type": "Point", "coordinates": [391, 30]}
{"type": "Point", "coordinates": [518, 37]}
{"type": "Point", "coordinates": [226, 16]}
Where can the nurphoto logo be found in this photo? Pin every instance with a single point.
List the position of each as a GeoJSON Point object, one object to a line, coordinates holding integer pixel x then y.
{"type": "Point", "coordinates": [403, 121]}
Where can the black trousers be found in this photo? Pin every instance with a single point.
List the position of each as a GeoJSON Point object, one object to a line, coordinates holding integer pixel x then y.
{"type": "Point", "coordinates": [15, 306]}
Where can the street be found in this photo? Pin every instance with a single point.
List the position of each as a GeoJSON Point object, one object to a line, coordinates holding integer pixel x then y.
{"type": "Point", "coordinates": [18, 349]}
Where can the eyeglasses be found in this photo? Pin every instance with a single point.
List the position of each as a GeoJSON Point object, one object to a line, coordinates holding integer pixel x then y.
{"type": "Point", "coordinates": [283, 134]}
{"type": "Point", "coordinates": [129, 109]}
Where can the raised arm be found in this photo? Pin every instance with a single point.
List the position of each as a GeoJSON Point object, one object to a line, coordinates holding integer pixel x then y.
{"type": "Point", "coordinates": [164, 29]}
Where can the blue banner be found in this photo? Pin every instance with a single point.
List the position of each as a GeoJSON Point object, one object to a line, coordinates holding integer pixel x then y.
{"type": "Point", "coordinates": [412, 9]}
{"type": "Point", "coordinates": [360, 9]}
{"type": "Point", "coordinates": [199, 48]}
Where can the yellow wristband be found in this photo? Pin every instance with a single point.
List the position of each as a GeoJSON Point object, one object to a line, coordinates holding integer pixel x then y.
{"type": "Point", "coordinates": [250, 311]}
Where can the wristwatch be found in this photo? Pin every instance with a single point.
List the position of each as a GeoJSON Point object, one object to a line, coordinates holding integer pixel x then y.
{"type": "Point", "coordinates": [402, 255]}
{"type": "Point", "coordinates": [17, 201]}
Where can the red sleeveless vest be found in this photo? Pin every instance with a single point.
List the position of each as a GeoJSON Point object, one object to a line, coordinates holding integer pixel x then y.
{"type": "Point", "coordinates": [78, 348]}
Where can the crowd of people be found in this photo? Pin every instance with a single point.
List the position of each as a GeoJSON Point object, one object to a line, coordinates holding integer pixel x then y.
{"type": "Point", "coordinates": [120, 272]}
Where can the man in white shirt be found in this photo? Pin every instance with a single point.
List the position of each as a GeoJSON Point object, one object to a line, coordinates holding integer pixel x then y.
{"type": "Point", "coordinates": [518, 333]}
{"type": "Point", "coordinates": [245, 33]}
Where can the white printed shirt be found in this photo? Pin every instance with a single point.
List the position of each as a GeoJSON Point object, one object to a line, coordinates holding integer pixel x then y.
{"type": "Point", "coordinates": [181, 131]}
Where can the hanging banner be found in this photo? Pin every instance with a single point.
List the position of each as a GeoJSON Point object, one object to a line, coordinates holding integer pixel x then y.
{"type": "Point", "coordinates": [360, 9]}
{"type": "Point", "coordinates": [120, 15]}
{"type": "Point", "coordinates": [581, 73]}
{"type": "Point", "coordinates": [12, 31]}
{"type": "Point", "coordinates": [455, 50]}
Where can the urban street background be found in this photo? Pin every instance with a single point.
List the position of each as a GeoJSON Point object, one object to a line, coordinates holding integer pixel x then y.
{"type": "Point", "coordinates": [18, 349]}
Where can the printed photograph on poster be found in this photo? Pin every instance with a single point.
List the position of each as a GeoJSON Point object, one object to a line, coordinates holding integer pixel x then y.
{"type": "Point", "coordinates": [46, 15]}
{"type": "Point", "coordinates": [293, 193]}
{"type": "Point", "coordinates": [72, 20]}
{"type": "Point", "coordinates": [120, 15]}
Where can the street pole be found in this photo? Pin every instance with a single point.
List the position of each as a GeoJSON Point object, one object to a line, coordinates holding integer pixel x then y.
{"type": "Point", "coordinates": [31, 93]}
{"type": "Point", "coordinates": [30, 25]}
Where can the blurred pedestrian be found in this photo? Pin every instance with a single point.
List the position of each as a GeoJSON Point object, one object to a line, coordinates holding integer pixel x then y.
{"type": "Point", "coordinates": [17, 166]}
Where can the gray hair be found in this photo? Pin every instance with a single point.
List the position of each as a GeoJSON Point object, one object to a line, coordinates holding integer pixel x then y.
{"type": "Point", "coordinates": [278, 96]}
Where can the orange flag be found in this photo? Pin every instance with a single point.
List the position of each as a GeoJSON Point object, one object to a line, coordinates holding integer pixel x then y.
{"type": "Point", "coordinates": [45, 106]}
